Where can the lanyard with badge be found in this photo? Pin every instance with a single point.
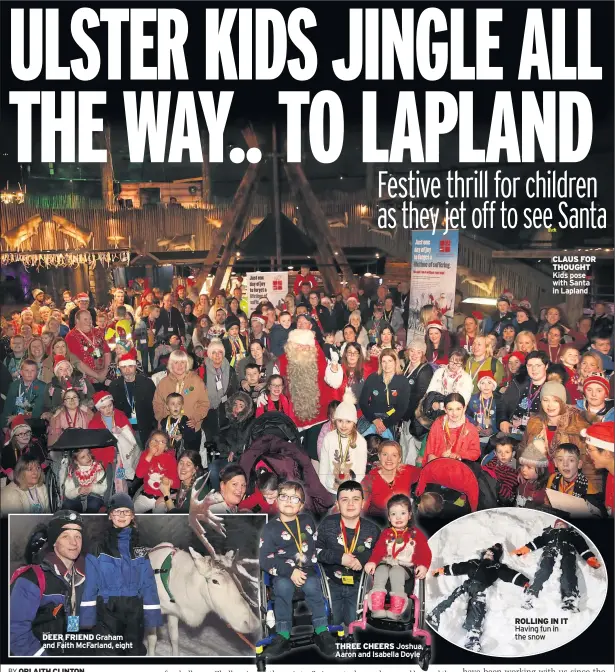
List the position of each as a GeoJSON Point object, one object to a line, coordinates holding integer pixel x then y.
{"type": "Point", "coordinates": [297, 540]}
{"type": "Point", "coordinates": [347, 577]}
{"type": "Point", "coordinates": [131, 401]}
{"type": "Point", "coordinates": [72, 624]}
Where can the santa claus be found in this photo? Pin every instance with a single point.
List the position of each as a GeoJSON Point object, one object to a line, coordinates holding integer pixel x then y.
{"type": "Point", "coordinates": [303, 367]}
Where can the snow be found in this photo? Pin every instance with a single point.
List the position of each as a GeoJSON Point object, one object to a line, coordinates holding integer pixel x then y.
{"type": "Point", "coordinates": [464, 538]}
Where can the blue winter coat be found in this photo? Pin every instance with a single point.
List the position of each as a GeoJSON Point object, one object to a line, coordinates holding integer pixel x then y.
{"type": "Point", "coordinates": [473, 411]}
{"type": "Point", "coordinates": [118, 568]}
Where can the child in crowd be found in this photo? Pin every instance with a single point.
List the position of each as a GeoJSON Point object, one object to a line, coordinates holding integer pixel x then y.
{"type": "Point", "coordinates": [373, 441]}
{"type": "Point", "coordinates": [344, 451]}
{"type": "Point", "coordinates": [482, 406]}
{"type": "Point", "coordinates": [329, 345]}
{"type": "Point", "coordinates": [288, 554]}
{"type": "Point", "coordinates": [155, 463]}
{"type": "Point", "coordinates": [501, 467]}
{"type": "Point", "coordinates": [175, 426]}
{"type": "Point", "coordinates": [431, 504]}
{"type": "Point", "coordinates": [252, 384]}
{"type": "Point", "coordinates": [569, 479]}
{"type": "Point", "coordinates": [67, 378]}
{"type": "Point", "coordinates": [533, 473]}
{"type": "Point", "coordinates": [400, 553]}
{"type": "Point", "coordinates": [273, 397]}
{"type": "Point", "coordinates": [18, 353]}
{"type": "Point", "coordinates": [265, 497]}
{"type": "Point", "coordinates": [328, 426]}
{"type": "Point", "coordinates": [86, 483]}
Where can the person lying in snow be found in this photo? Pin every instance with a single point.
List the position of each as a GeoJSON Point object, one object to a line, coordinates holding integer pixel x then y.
{"type": "Point", "coordinates": [563, 540]}
{"type": "Point", "coordinates": [482, 573]}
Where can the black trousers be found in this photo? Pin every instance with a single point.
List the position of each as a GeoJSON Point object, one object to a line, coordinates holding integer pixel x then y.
{"type": "Point", "coordinates": [121, 616]}
{"type": "Point", "coordinates": [477, 605]}
{"type": "Point", "coordinates": [569, 583]}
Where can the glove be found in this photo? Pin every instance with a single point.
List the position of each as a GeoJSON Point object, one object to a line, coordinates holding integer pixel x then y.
{"type": "Point", "coordinates": [526, 585]}
{"type": "Point", "coordinates": [438, 572]}
{"type": "Point", "coordinates": [524, 550]}
{"type": "Point", "coordinates": [593, 562]}
{"type": "Point", "coordinates": [335, 358]}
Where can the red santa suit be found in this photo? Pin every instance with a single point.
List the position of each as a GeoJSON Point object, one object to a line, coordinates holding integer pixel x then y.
{"type": "Point", "coordinates": [327, 393]}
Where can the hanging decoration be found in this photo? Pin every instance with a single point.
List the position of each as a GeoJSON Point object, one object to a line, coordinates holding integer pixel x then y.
{"type": "Point", "coordinates": [18, 235]}
{"type": "Point", "coordinates": [67, 258]}
{"type": "Point", "coordinates": [71, 230]}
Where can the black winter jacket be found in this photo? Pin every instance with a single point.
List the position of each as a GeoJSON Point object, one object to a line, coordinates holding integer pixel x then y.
{"type": "Point", "coordinates": [487, 572]}
{"type": "Point", "coordinates": [560, 539]}
{"type": "Point", "coordinates": [419, 381]}
{"type": "Point", "coordinates": [233, 438]}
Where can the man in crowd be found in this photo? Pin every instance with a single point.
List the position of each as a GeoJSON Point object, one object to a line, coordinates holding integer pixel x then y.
{"type": "Point", "coordinates": [343, 561]}
{"type": "Point", "coordinates": [170, 320]}
{"type": "Point", "coordinates": [83, 303]}
{"type": "Point", "coordinates": [39, 301]}
{"type": "Point", "coordinates": [88, 346]}
{"type": "Point", "coordinates": [304, 275]}
{"type": "Point", "coordinates": [601, 320]}
{"type": "Point", "coordinates": [500, 318]}
{"type": "Point", "coordinates": [27, 395]}
{"type": "Point", "coordinates": [119, 298]}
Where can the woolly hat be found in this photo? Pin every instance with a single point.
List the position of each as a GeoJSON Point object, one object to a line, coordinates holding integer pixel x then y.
{"type": "Point", "coordinates": [553, 389]}
{"type": "Point", "coordinates": [496, 549]}
{"type": "Point", "coordinates": [434, 324]}
{"type": "Point", "coordinates": [504, 298]}
{"type": "Point", "coordinates": [535, 454]}
{"type": "Point", "coordinates": [596, 379]}
{"type": "Point", "coordinates": [231, 321]}
{"type": "Point", "coordinates": [347, 410]}
{"type": "Point", "coordinates": [36, 292]}
{"type": "Point", "coordinates": [17, 422]}
{"type": "Point", "coordinates": [128, 359]}
{"type": "Point", "coordinates": [601, 435]}
{"type": "Point", "coordinates": [57, 360]}
{"type": "Point", "coordinates": [120, 501]}
{"type": "Point", "coordinates": [82, 296]}
{"type": "Point", "coordinates": [62, 520]}
{"type": "Point", "coordinates": [517, 353]}
{"type": "Point", "coordinates": [488, 375]}
{"type": "Point", "coordinates": [100, 398]}
{"type": "Point", "coordinates": [561, 522]}
{"type": "Point", "coordinates": [302, 337]}
{"type": "Point", "coordinates": [418, 344]}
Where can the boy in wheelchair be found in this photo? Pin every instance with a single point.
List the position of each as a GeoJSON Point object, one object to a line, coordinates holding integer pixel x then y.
{"type": "Point", "coordinates": [401, 553]}
{"type": "Point", "coordinates": [288, 554]}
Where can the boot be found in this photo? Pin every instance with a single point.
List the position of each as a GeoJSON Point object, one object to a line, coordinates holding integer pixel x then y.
{"type": "Point", "coordinates": [570, 604]}
{"type": "Point", "coordinates": [528, 603]}
{"type": "Point", "coordinates": [375, 602]}
{"type": "Point", "coordinates": [472, 642]}
{"type": "Point", "coordinates": [433, 619]}
{"type": "Point", "coordinates": [397, 607]}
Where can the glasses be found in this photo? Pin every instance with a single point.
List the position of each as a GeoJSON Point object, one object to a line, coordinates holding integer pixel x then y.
{"type": "Point", "coordinates": [21, 435]}
{"type": "Point", "coordinates": [293, 499]}
{"type": "Point", "coordinates": [455, 362]}
{"type": "Point", "coordinates": [121, 512]}
{"type": "Point", "coordinates": [277, 387]}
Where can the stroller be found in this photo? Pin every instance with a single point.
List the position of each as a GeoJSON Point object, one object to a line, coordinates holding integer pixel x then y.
{"type": "Point", "coordinates": [69, 442]}
{"type": "Point", "coordinates": [454, 481]}
{"type": "Point", "coordinates": [412, 619]}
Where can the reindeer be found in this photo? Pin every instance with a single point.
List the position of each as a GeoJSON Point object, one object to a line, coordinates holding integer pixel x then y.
{"type": "Point", "coordinates": [18, 235]}
{"type": "Point", "coordinates": [480, 280]}
{"type": "Point", "coordinates": [183, 243]}
{"type": "Point", "coordinates": [73, 231]}
{"type": "Point", "coordinates": [198, 584]}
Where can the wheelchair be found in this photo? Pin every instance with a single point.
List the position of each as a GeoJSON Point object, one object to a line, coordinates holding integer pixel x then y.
{"type": "Point", "coordinates": [412, 620]}
{"type": "Point", "coordinates": [302, 633]}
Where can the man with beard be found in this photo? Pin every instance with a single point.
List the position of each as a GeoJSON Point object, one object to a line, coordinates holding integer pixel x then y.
{"type": "Point", "coordinates": [88, 345]}
{"type": "Point", "coordinates": [303, 366]}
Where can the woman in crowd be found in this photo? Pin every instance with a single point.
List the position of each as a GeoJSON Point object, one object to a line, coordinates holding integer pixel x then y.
{"type": "Point", "coordinates": [27, 492]}
{"type": "Point", "coordinates": [469, 332]}
{"type": "Point", "coordinates": [482, 360]}
{"type": "Point", "coordinates": [525, 342]}
{"type": "Point", "coordinates": [348, 335]}
{"type": "Point", "coordinates": [235, 308]}
{"type": "Point", "coordinates": [512, 365]}
{"type": "Point", "coordinates": [189, 318]}
{"type": "Point", "coordinates": [452, 377]}
{"type": "Point", "coordinates": [233, 485]}
{"type": "Point", "coordinates": [21, 442]}
{"type": "Point", "coordinates": [525, 321]}
{"type": "Point", "coordinates": [557, 423]}
{"type": "Point", "coordinates": [290, 303]}
{"type": "Point", "coordinates": [390, 477]}
{"type": "Point", "coordinates": [589, 365]}
{"type": "Point", "coordinates": [219, 304]}
{"type": "Point", "coordinates": [221, 382]}
{"type": "Point", "coordinates": [555, 342]}
{"type": "Point", "coordinates": [259, 356]}
{"type": "Point", "coordinates": [189, 468]}
{"type": "Point", "coordinates": [200, 338]}
{"type": "Point", "coordinates": [36, 352]}
{"type": "Point", "coordinates": [385, 397]}
{"type": "Point", "coordinates": [509, 333]}
{"type": "Point", "coordinates": [273, 399]}
{"type": "Point", "coordinates": [47, 336]}
{"type": "Point", "coordinates": [355, 321]}
{"type": "Point", "coordinates": [356, 370]}
{"type": "Point", "coordinates": [437, 341]}
{"type": "Point", "coordinates": [182, 380]}
{"type": "Point", "coordinates": [452, 435]}
{"type": "Point", "coordinates": [552, 316]}
{"type": "Point", "coordinates": [419, 375]}
{"type": "Point", "coordinates": [386, 338]}
{"type": "Point", "coordinates": [202, 307]}
{"type": "Point", "coordinates": [71, 414]}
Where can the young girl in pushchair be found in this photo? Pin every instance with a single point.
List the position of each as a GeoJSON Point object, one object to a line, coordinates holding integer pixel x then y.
{"type": "Point", "coordinates": [401, 553]}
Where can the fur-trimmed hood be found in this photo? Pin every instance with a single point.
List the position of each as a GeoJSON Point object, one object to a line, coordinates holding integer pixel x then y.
{"type": "Point", "coordinates": [246, 414]}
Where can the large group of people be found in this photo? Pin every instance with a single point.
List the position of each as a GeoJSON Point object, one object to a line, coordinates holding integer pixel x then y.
{"type": "Point", "coordinates": [178, 379]}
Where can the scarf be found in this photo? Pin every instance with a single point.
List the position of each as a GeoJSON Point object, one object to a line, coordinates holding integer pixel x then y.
{"type": "Point", "coordinates": [450, 379]}
{"type": "Point", "coordinates": [579, 488]}
{"type": "Point", "coordinates": [215, 395]}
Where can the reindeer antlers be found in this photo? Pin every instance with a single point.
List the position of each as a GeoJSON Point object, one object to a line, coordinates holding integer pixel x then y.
{"type": "Point", "coordinates": [199, 511]}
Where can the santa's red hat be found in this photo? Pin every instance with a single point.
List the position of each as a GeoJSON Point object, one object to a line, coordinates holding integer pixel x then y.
{"type": "Point", "coordinates": [20, 421]}
{"type": "Point", "coordinates": [101, 398]}
{"type": "Point", "coordinates": [477, 315]}
{"type": "Point", "coordinates": [434, 324]}
{"type": "Point", "coordinates": [518, 354]}
{"type": "Point", "coordinates": [487, 375]}
{"type": "Point", "coordinates": [57, 360]}
{"type": "Point", "coordinates": [596, 379]}
{"type": "Point", "coordinates": [600, 435]}
{"type": "Point", "coordinates": [354, 297]}
{"type": "Point", "coordinates": [82, 296]}
{"type": "Point", "coordinates": [128, 359]}
{"type": "Point", "coordinates": [302, 337]}
{"type": "Point", "coordinates": [180, 287]}
{"type": "Point", "coordinates": [259, 318]}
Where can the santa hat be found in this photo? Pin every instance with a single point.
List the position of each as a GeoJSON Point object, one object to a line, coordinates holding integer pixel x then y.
{"type": "Point", "coordinates": [347, 410]}
{"type": "Point", "coordinates": [180, 287]}
{"type": "Point", "coordinates": [596, 379]}
{"type": "Point", "coordinates": [535, 454]}
{"type": "Point", "coordinates": [301, 337]}
{"type": "Point", "coordinates": [101, 398]}
{"type": "Point", "coordinates": [128, 359]}
{"type": "Point", "coordinates": [525, 303]}
{"type": "Point", "coordinates": [601, 435]}
{"type": "Point", "coordinates": [36, 292]}
{"type": "Point", "coordinates": [353, 297]}
{"type": "Point", "coordinates": [82, 296]}
{"type": "Point", "coordinates": [57, 360]}
{"type": "Point", "coordinates": [516, 353]}
{"type": "Point", "coordinates": [477, 315]}
{"type": "Point", "coordinates": [488, 375]}
{"type": "Point", "coordinates": [434, 324]}
{"type": "Point", "coordinates": [20, 421]}
{"type": "Point", "coordinates": [259, 318]}
{"type": "Point", "coordinates": [509, 293]}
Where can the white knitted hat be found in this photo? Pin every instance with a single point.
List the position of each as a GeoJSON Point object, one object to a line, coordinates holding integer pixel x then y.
{"type": "Point", "coordinates": [347, 410]}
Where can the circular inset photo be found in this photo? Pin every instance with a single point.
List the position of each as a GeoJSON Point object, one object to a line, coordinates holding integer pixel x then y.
{"type": "Point", "coordinates": [513, 582]}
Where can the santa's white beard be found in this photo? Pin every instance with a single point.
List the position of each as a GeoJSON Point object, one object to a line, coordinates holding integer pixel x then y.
{"type": "Point", "coordinates": [303, 381]}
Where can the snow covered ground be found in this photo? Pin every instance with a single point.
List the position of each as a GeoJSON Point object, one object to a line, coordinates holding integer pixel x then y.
{"type": "Point", "coordinates": [513, 528]}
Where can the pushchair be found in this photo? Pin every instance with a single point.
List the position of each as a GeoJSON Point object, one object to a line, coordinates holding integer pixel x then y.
{"type": "Point", "coordinates": [412, 619]}
{"type": "Point", "coordinates": [70, 441]}
{"type": "Point", "coordinates": [454, 481]}
{"type": "Point", "coordinates": [302, 633]}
